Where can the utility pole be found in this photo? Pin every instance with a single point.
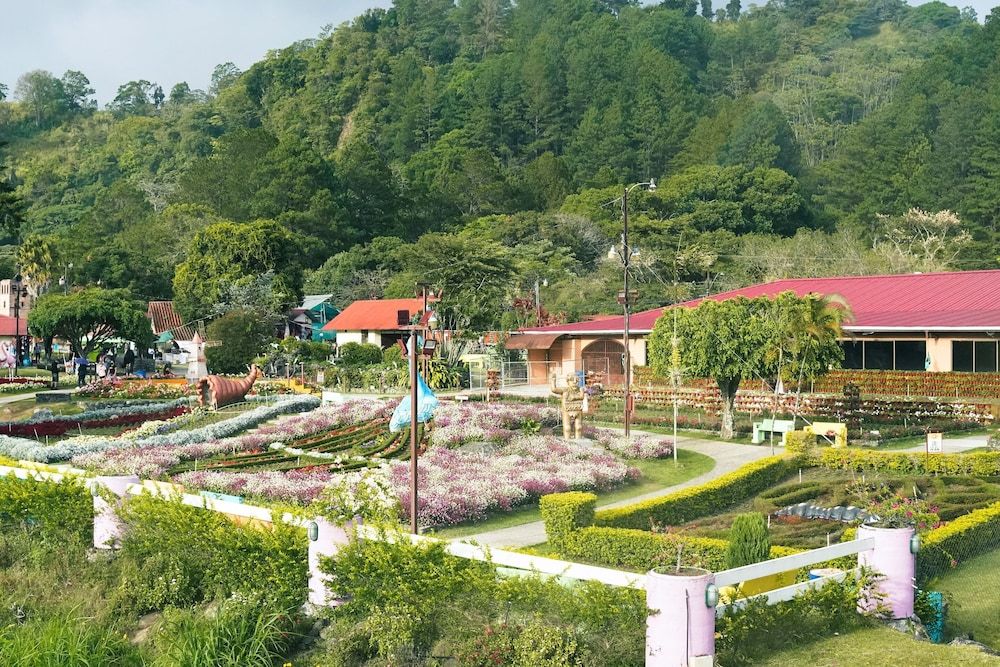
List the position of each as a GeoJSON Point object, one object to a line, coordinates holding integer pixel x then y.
{"type": "Point", "coordinates": [627, 260]}
{"type": "Point", "coordinates": [412, 348]}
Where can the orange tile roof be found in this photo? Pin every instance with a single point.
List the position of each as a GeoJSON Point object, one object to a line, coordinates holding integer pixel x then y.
{"type": "Point", "coordinates": [165, 318]}
{"type": "Point", "coordinates": [373, 315]}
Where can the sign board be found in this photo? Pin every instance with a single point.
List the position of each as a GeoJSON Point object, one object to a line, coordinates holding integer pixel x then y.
{"type": "Point", "coordinates": [935, 443]}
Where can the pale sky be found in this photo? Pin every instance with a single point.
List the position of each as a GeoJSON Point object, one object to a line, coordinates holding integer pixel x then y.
{"type": "Point", "coordinates": [167, 41]}
{"type": "Point", "coordinates": [164, 41]}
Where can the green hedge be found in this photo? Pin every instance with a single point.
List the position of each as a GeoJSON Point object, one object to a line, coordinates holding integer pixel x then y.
{"type": "Point", "coordinates": [565, 512]}
{"type": "Point", "coordinates": [643, 550]}
{"type": "Point", "coordinates": [47, 505]}
{"type": "Point", "coordinates": [699, 501]}
{"type": "Point", "coordinates": [800, 443]}
{"type": "Point", "coordinates": [986, 464]}
{"type": "Point", "coordinates": [970, 535]}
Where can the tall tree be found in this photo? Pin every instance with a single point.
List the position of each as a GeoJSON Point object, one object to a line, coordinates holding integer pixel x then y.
{"type": "Point", "coordinates": [43, 95]}
{"type": "Point", "coordinates": [90, 317]}
{"type": "Point", "coordinates": [226, 252]}
{"type": "Point", "coordinates": [78, 92]}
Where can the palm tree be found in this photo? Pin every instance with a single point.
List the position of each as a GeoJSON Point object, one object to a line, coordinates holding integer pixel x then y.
{"type": "Point", "coordinates": [813, 332]}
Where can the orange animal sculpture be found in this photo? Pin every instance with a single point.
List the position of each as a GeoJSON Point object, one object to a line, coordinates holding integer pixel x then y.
{"type": "Point", "coordinates": [217, 392]}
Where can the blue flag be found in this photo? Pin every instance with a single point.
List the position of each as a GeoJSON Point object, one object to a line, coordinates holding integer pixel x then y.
{"type": "Point", "coordinates": [427, 403]}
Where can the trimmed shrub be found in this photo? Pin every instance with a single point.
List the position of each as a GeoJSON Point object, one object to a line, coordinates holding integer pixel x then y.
{"type": "Point", "coordinates": [564, 513]}
{"type": "Point", "coordinates": [47, 505]}
{"type": "Point", "coordinates": [699, 501]}
{"type": "Point", "coordinates": [967, 536]}
{"type": "Point", "coordinates": [642, 550]}
{"type": "Point", "coordinates": [986, 464]}
{"type": "Point", "coordinates": [360, 354]}
{"type": "Point", "coordinates": [749, 542]}
{"type": "Point", "coordinates": [800, 443]}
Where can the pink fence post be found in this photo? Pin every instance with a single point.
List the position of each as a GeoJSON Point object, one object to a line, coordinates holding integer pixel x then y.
{"type": "Point", "coordinates": [107, 527]}
{"type": "Point", "coordinates": [680, 629]}
{"type": "Point", "coordinates": [893, 559]}
{"type": "Point", "coordinates": [325, 540]}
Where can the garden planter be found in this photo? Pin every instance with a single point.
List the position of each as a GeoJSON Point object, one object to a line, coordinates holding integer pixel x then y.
{"type": "Point", "coordinates": [681, 626]}
{"type": "Point", "coordinates": [107, 526]}
{"type": "Point", "coordinates": [896, 566]}
{"type": "Point", "coordinates": [325, 540]}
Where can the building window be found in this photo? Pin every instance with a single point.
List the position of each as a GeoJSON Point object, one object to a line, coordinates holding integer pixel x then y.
{"type": "Point", "coordinates": [911, 355]}
{"type": "Point", "coordinates": [962, 356]}
{"type": "Point", "coordinates": [364, 337]}
{"type": "Point", "coordinates": [854, 354]}
{"type": "Point", "coordinates": [878, 355]}
{"type": "Point", "coordinates": [986, 356]}
{"type": "Point", "coordinates": [885, 355]}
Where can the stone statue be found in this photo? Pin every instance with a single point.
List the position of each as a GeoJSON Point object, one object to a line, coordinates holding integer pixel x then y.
{"type": "Point", "coordinates": [572, 405]}
{"type": "Point", "coordinates": [197, 368]}
{"type": "Point", "coordinates": [216, 392]}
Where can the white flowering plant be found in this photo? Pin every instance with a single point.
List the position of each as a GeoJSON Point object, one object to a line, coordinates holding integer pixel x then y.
{"type": "Point", "coordinates": [368, 494]}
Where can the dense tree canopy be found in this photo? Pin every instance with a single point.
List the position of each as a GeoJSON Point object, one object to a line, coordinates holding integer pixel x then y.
{"type": "Point", "coordinates": [487, 122]}
{"type": "Point", "coordinates": [737, 339]}
{"type": "Point", "coordinates": [90, 317]}
{"type": "Point", "coordinates": [228, 253]}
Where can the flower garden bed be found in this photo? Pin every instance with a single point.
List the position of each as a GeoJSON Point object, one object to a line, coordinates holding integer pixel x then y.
{"type": "Point", "coordinates": [44, 423]}
{"type": "Point", "coordinates": [134, 389]}
{"type": "Point", "coordinates": [32, 450]}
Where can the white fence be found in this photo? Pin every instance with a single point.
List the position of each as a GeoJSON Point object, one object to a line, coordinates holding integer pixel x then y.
{"type": "Point", "coordinates": [680, 629]}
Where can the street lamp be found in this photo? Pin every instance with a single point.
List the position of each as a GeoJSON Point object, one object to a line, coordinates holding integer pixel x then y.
{"type": "Point", "coordinates": [64, 280]}
{"type": "Point", "coordinates": [626, 297]}
{"type": "Point", "coordinates": [538, 301]}
{"type": "Point", "coordinates": [16, 287]}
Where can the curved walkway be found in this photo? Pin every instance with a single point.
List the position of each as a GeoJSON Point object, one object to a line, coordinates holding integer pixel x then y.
{"type": "Point", "coordinates": [728, 457]}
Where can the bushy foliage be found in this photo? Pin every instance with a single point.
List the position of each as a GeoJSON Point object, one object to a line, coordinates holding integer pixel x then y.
{"type": "Point", "coordinates": [241, 336]}
{"type": "Point", "coordinates": [404, 599]}
{"type": "Point", "coordinates": [186, 555]}
{"type": "Point", "coordinates": [756, 630]}
{"type": "Point", "coordinates": [48, 506]}
{"type": "Point", "coordinates": [967, 536]}
{"type": "Point", "coordinates": [564, 513]}
{"type": "Point", "coordinates": [980, 464]}
{"type": "Point", "coordinates": [359, 354]}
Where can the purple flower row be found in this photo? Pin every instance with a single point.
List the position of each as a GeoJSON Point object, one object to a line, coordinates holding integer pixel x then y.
{"type": "Point", "coordinates": [458, 423]}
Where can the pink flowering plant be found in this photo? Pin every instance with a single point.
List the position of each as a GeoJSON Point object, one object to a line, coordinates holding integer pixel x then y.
{"type": "Point", "coordinates": [456, 486]}
{"type": "Point", "coordinates": [633, 447]}
{"type": "Point", "coordinates": [458, 423]}
{"type": "Point", "coordinates": [300, 486]}
{"type": "Point", "coordinates": [892, 509]}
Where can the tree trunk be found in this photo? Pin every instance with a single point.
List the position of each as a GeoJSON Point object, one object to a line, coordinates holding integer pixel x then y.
{"type": "Point", "coordinates": [728, 389]}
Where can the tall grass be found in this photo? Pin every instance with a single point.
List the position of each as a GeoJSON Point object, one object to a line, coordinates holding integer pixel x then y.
{"type": "Point", "coordinates": [64, 640]}
{"type": "Point", "coordinates": [244, 632]}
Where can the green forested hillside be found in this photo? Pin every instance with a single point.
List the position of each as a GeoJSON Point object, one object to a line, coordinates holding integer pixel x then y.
{"type": "Point", "coordinates": [789, 139]}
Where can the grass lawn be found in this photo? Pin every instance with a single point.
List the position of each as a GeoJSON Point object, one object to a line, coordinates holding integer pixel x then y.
{"type": "Point", "coordinates": [682, 432]}
{"type": "Point", "coordinates": [879, 647]}
{"type": "Point", "coordinates": [919, 440]}
{"type": "Point", "coordinates": [656, 474]}
{"type": "Point", "coordinates": [973, 605]}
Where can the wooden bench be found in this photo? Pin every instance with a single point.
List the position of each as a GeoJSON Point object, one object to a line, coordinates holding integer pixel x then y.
{"type": "Point", "coordinates": [833, 431]}
{"type": "Point", "coordinates": [769, 426]}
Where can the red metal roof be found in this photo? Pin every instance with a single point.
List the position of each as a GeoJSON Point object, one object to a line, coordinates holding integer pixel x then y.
{"type": "Point", "coordinates": [961, 300]}
{"type": "Point", "coordinates": [374, 315]}
{"type": "Point", "coordinates": [7, 326]}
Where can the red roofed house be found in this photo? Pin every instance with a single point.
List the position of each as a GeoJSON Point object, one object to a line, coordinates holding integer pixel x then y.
{"type": "Point", "coordinates": [373, 321]}
{"type": "Point", "coordinates": [169, 328]}
{"type": "Point", "coordinates": [931, 321]}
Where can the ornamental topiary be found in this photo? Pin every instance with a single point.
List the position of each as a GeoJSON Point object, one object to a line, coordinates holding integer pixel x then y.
{"type": "Point", "coordinates": [749, 541]}
{"type": "Point", "coordinates": [564, 513]}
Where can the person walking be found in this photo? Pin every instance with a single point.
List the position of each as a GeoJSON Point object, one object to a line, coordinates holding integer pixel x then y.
{"type": "Point", "coordinates": [81, 371]}
{"type": "Point", "coordinates": [54, 367]}
{"type": "Point", "coordinates": [129, 360]}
